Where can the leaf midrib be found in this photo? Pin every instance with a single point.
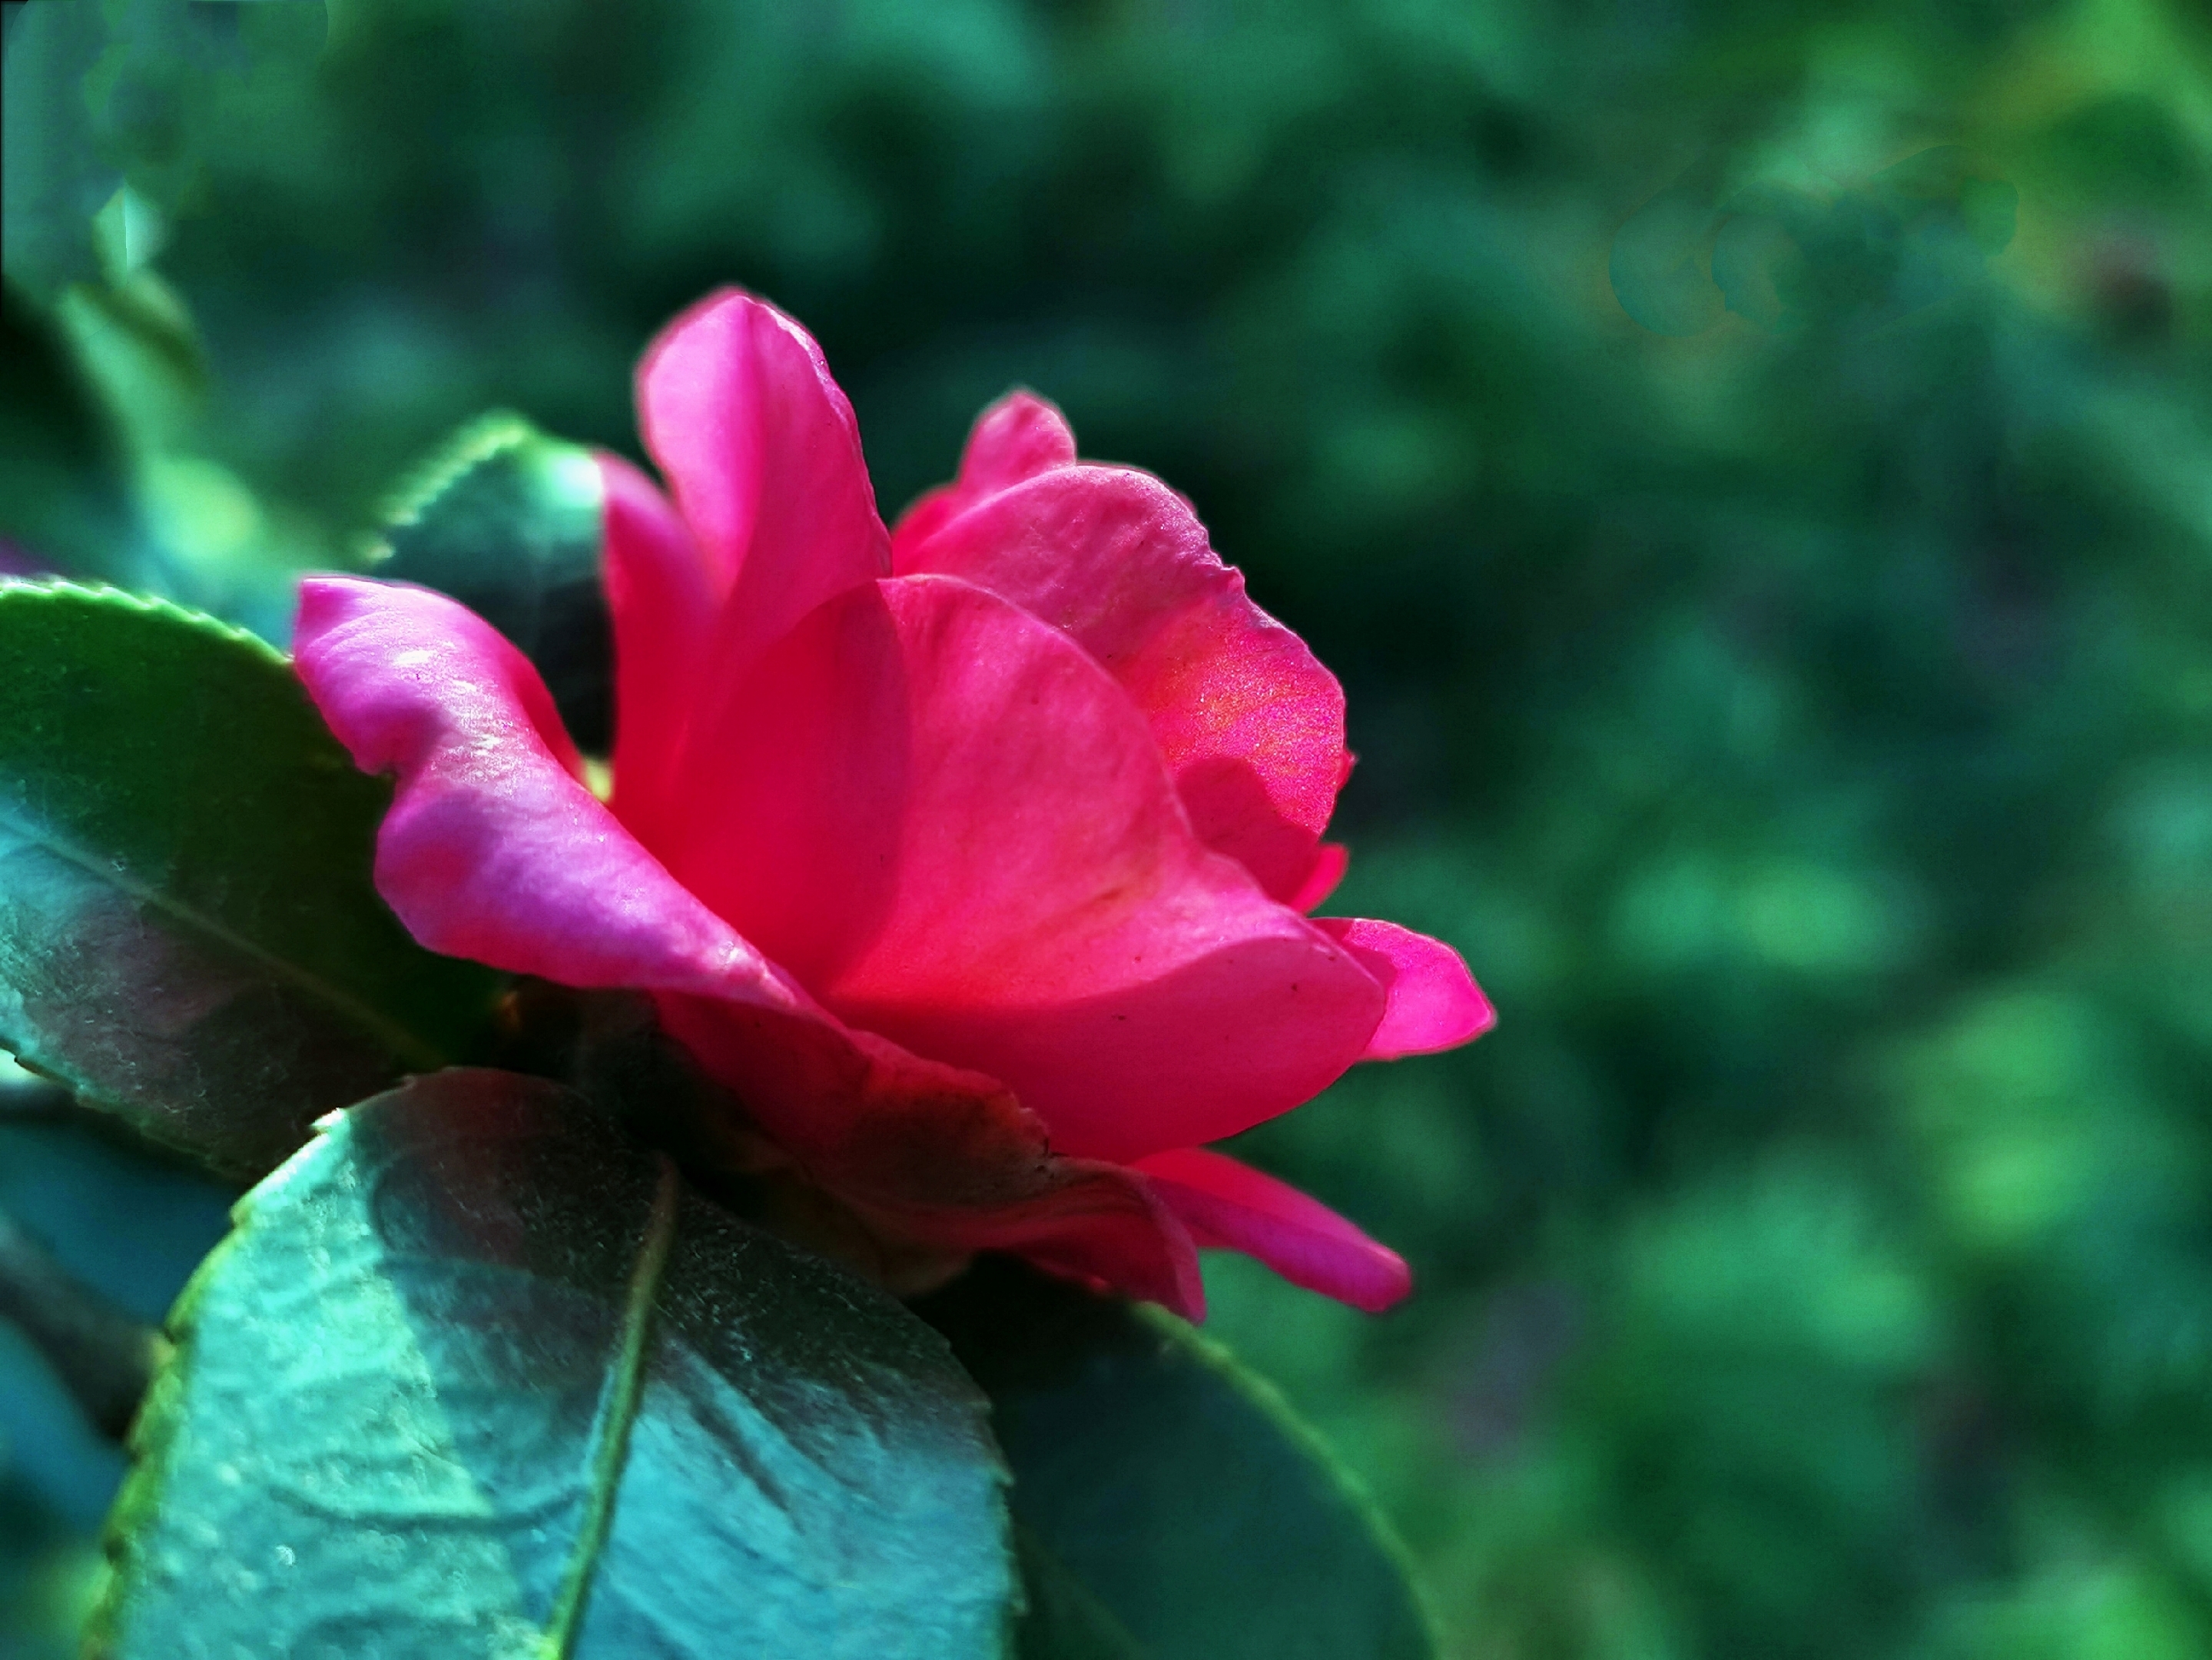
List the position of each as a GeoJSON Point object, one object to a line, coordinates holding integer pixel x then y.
{"type": "Point", "coordinates": [1031, 1548]}
{"type": "Point", "coordinates": [618, 1415]}
{"type": "Point", "coordinates": [409, 1046]}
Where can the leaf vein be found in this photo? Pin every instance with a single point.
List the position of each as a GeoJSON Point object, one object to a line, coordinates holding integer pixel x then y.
{"type": "Point", "coordinates": [411, 1048]}
{"type": "Point", "coordinates": [617, 1415]}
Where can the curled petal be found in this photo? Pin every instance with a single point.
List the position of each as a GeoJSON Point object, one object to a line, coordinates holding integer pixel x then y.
{"type": "Point", "coordinates": [951, 826]}
{"type": "Point", "coordinates": [1252, 725]}
{"type": "Point", "coordinates": [493, 848]}
{"type": "Point", "coordinates": [1018, 437]}
{"type": "Point", "coordinates": [1434, 1003]}
{"type": "Point", "coordinates": [1228, 1204]}
{"type": "Point", "coordinates": [761, 451]}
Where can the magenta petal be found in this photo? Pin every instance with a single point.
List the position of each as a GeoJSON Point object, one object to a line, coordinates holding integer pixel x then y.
{"type": "Point", "coordinates": [493, 849]}
{"type": "Point", "coordinates": [1331, 860]}
{"type": "Point", "coordinates": [950, 824]}
{"type": "Point", "coordinates": [1018, 437]}
{"type": "Point", "coordinates": [1156, 1262]}
{"type": "Point", "coordinates": [1251, 725]}
{"type": "Point", "coordinates": [1434, 1002]}
{"type": "Point", "coordinates": [761, 451]}
{"type": "Point", "coordinates": [663, 595]}
{"type": "Point", "coordinates": [1228, 1204]}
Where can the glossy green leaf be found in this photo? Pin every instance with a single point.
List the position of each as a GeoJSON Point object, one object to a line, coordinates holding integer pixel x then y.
{"type": "Point", "coordinates": [1168, 1499]}
{"type": "Point", "coordinates": [476, 1376]}
{"type": "Point", "coordinates": [189, 932]}
{"type": "Point", "coordinates": [506, 521]}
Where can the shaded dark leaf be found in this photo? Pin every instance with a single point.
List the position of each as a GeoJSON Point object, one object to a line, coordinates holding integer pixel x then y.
{"type": "Point", "coordinates": [1168, 1498]}
{"type": "Point", "coordinates": [189, 933]}
{"type": "Point", "coordinates": [506, 521]}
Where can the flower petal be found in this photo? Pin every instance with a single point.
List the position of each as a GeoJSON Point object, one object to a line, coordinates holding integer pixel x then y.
{"type": "Point", "coordinates": [1434, 1002]}
{"type": "Point", "coordinates": [1018, 437]}
{"type": "Point", "coordinates": [665, 595]}
{"type": "Point", "coordinates": [949, 826]}
{"type": "Point", "coordinates": [1251, 725]}
{"type": "Point", "coordinates": [1332, 859]}
{"type": "Point", "coordinates": [494, 851]}
{"type": "Point", "coordinates": [761, 451]}
{"type": "Point", "coordinates": [1225, 1203]}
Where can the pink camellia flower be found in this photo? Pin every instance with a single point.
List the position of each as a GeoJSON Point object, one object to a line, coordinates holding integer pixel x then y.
{"type": "Point", "coordinates": [972, 857]}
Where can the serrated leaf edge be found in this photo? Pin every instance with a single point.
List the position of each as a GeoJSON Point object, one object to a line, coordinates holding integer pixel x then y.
{"type": "Point", "coordinates": [481, 438]}
{"type": "Point", "coordinates": [159, 1421]}
{"type": "Point", "coordinates": [61, 588]}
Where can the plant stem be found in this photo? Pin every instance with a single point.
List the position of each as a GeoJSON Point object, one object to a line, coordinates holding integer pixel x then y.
{"type": "Point", "coordinates": [103, 1357]}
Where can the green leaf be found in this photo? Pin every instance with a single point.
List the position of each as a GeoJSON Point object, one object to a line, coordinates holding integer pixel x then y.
{"type": "Point", "coordinates": [506, 521]}
{"type": "Point", "coordinates": [1065, 1620]}
{"type": "Point", "coordinates": [475, 1376]}
{"type": "Point", "coordinates": [189, 933]}
{"type": "Point", "coordinates": [1167, 1501]}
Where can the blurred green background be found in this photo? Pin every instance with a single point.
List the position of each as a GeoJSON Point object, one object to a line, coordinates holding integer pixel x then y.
{"type": "Point", "coordinates": [1750, 463]}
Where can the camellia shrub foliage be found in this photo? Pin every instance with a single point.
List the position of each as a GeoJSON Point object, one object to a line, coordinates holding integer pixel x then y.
{"type": "Point", "coordinates": [946, 890]}
{"type": "Point", "coordinates": [1746, 462]}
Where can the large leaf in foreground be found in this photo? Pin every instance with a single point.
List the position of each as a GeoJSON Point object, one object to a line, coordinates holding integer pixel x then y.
{"type": "Point", "coordinates": [1168, 1505]}
{"type": "Point", "coordinates": [507, 520]}
{"type": "Point", "coordinates": [189, 934]}
{"type": "Point", "coordinates": [477, 1376]}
